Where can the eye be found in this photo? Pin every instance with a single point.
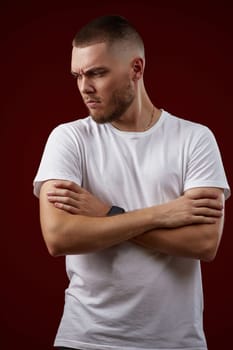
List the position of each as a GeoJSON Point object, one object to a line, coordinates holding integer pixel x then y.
{"type": "Point", "coordinates": [98, 73]}
{"type": "Point", "coordinates": [76, 76]}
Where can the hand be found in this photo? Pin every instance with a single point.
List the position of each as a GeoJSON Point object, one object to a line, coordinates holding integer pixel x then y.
{"type": "Point", "coordinates": [74, 199]}
{"type": "Point", "coordinates": [197, 206]}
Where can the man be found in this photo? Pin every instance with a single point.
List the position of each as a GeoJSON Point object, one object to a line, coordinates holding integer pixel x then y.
{"type": "Point", "coordinates": [134, 197]}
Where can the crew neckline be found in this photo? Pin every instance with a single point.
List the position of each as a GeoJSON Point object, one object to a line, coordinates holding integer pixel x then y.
{"type": "Point", "coordinates": [139, 133]}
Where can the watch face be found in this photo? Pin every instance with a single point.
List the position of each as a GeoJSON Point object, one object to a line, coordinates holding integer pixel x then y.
{"type": "Point", "coordinates": [115, 210]}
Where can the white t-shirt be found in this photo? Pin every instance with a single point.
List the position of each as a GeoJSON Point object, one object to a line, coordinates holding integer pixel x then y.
{"type": "Point", "coordinates": [126, 297]}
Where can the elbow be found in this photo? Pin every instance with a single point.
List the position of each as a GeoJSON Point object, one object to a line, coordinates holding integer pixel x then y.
{"type": "Point", "coordinates": [53, 243]}
{"type": "Point", "coordinates": [54, 249]}
{"type": "Point", "coordinates": [209, 248]}
{"type": "Point", "coordinates": [208, 255]}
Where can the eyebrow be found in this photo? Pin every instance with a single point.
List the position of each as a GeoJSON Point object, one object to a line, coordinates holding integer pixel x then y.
{"type": "Point", "coordinates": [74, 74]}
{"type": "Point", "coordinates": [91, 70]}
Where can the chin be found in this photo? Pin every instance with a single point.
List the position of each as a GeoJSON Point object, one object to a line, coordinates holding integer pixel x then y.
{"type": "Point", "coordinates": [99, 119]}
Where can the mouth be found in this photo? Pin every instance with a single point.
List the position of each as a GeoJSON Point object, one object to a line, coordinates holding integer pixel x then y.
{"type": "Point", "coordinates": [92, 103]}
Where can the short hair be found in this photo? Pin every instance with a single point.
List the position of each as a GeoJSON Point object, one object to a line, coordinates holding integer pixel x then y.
{"type": "Point", "coordinates": [110, 29]}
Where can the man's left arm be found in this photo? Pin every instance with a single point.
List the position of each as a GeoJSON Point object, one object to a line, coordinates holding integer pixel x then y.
{"type": "Point", "coordinates": [193, 241]}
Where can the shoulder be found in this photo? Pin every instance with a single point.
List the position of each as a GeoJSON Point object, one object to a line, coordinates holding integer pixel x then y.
{"type": "Point", "coordinates": [80, 128]}
{"type": "Point", "coordinates": [183, 123]}
{"type": "Point", "coordinates": [72, 126]}
{"type": "Point", "coordinates": [73, 130]}
{"type": "Point", "coordinates": [187, 129]}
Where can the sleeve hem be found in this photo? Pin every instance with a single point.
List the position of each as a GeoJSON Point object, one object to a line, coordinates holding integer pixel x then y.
{"type": "Point", "coordinates": [225, 187]}
{"type": "Point", "coordinates": [37, 183]}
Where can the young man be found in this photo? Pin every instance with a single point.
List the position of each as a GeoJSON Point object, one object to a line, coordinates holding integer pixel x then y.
{"type": "Point", "coordinates": [134, 197]}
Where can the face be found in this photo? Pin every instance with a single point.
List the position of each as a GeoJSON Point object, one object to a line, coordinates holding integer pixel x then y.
{"type": "Point", "coordinates": [104, 79]}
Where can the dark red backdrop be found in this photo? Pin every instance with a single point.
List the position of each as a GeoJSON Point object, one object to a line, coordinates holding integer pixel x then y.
{"type": "Point", "coordinates": [188, 72]}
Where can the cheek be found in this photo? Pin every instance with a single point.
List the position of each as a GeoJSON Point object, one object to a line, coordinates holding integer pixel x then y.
{"type": "Point", "coordinates": [105, 89]}
{"type": "Point", "coordinates": [108, 88]}
{"type": "Point", "coordinates": [106, 85]}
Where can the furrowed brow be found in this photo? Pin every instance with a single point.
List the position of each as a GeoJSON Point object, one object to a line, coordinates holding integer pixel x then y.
{"type": "Point", "coordinates": [74, 74]}
{"type": "Point", "coordinates": [91, 71]}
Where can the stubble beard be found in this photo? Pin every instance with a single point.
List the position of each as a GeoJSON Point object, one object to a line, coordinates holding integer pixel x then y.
{"type": "Point", "coordinates": [119, 104]}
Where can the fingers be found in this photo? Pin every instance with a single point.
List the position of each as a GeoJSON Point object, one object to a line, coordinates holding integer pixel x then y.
{"type": "Point", "coordinates": [68, 196]}
{"type": "Point", "coordinates": [67, 204]}
{"type": "Point", "coordinates": [68, 208]}
{"type": "Point", "coordinates": [203, 220]}
{"type": "Point", "coordinates": [207, 212]}
{"type": "Point", "coordinates": [209, 203]}
{"type": "Point", "coordinates": [63, 200]}
{"type": "Point", "coordinates": [202, 193]}
{"type": "Point", "coordinates": [69, 185]}
{"type": "Point", "coordinates": [62, 193]}
{"type": "Point", "coordinates": [207, 208]}
{"type": "Point", "coordinates": [205, 192]}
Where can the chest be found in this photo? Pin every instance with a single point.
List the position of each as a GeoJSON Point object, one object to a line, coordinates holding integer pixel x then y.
{"type": "Point", "coordinates": [135, 172]}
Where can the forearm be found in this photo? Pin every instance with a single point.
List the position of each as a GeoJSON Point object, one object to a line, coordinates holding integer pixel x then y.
{"type": "Point", "coordinates": [192, 241]}
{"type": "Point", "coordinates": [65, 233]}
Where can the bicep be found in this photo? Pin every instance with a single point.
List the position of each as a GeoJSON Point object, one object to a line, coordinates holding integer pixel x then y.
{"type": "Point", "coordinates": [207, 192]}
{"type": "Point", "coordinates": [213, 193]}
{"type": "Point", "coordinates": [61, 159]}
{"type": "Point", "coordinates": [212, 231]}
{"type": "Point", "coordinates": [204, 167]}
{"type": "Point", "coordinates": [51, 218]}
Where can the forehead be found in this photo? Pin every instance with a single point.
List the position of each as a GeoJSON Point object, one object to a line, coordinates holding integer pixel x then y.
{"type": "Point", "coordinates": [84, 58]}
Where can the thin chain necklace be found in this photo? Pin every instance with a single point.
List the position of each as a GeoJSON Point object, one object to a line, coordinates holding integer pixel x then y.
{"type": "Point", "coordinates": [150, 122]}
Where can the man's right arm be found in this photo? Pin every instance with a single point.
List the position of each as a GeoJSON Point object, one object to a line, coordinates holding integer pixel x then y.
{"type": "Point", "coordinates": [65, 233]}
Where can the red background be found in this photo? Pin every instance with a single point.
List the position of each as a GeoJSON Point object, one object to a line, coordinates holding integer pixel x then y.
{"type": "Point", "coordinates": [189, 55]}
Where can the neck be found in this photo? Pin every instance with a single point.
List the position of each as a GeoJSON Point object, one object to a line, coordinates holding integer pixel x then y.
{"type": "Point", "coordinates": [138, 118]}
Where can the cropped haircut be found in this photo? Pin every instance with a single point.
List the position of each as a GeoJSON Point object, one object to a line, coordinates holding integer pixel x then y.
{"type": "Point", "coordinates": [109, 29]}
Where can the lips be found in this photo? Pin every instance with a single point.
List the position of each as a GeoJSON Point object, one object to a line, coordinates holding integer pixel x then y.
{"type": "Point", "coordinates": [92, 103]}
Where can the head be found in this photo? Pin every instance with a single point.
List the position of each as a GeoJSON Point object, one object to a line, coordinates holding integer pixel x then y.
{"type": "Point", "coordinates": [108, 62]}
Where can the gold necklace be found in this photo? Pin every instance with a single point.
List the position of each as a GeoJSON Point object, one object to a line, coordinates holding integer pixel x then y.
{"type": "Point", "coordinates": [149, 124]}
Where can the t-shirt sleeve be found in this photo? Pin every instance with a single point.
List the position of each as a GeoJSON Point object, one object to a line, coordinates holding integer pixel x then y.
{"type": "Point", "coordinates": [205, 166]}
{"type": "Point", "coordinates": [61, 159]}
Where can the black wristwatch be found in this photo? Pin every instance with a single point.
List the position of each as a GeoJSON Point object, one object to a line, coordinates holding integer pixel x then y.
{"type": "Point", "coordinates": [115, 210]}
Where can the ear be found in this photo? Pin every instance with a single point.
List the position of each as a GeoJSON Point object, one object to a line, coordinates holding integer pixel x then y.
{"type": "Point", "coordinates": [137, 68]}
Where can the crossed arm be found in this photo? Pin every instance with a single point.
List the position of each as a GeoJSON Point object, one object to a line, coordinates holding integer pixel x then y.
{"type": "Point", "coordinates": [73, 221]}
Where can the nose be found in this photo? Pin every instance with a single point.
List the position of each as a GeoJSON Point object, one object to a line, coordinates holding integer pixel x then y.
{"type": "Point", "coordinates": [85, 85]}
